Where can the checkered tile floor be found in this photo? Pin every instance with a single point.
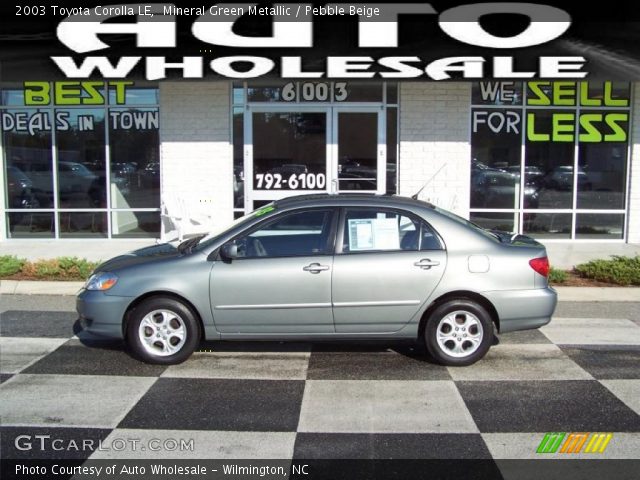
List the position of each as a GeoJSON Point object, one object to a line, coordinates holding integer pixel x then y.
{"type": "Point", "coordinates": [273, 400]}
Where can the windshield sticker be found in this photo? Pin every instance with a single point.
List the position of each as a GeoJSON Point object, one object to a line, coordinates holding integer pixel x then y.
{"type": "Point", "coordinates": [264, 210]}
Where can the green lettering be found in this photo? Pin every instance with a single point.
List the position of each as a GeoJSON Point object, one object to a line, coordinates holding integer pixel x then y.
{"type": "Point", "coordinates": [591, 133]}
{"type": "Point", "coordinates": [612, 102]}
{"type": "Point", "coordinates": [95, 97]}
{"type": "Point", "coordinates": [540, 98]}
{"type": "Point", "coordinates": [67, 93]}
{"type": "Point", "coordinates": [563, 127]}
{"type": "Point", "coordinates": [619, 133]}
{"type": "Point", "coordinates": [532, 136]}
{"type": "Point", "coordinates": [37, 93]}
{"type": "Point", "coordinates": [585, 101]}
{"type": "Point", "coordinates": [564, 93]}
{"type": "Point", "coordinates": [121, 91]}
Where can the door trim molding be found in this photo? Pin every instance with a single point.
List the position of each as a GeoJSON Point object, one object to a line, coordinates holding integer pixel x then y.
{"type": "Point", "coordinates": [389, 303]}
{"type": "Point", "coordinates": [272, 306]}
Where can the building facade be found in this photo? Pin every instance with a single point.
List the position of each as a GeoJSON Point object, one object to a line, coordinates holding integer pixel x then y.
{"type": "Point", "coordinates": [559, 161]}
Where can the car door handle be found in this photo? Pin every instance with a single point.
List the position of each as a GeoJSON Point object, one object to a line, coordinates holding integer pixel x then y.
{"type": "Point", "coordinates": [427, 263]}
{"type": "Point", "coordinates": [315, 268]}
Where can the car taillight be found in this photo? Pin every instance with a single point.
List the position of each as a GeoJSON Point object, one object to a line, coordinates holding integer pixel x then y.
{"type": "Point", "coordinates": [540, 265]}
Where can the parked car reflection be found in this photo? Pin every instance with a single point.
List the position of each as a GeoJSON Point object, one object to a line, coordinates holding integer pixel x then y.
{"type": "Point", "coordinates": [561, 178]}
{"type": "Point", "coordinates": [20, 191]}
{"type": "Point", "coordinates": [497, 188]}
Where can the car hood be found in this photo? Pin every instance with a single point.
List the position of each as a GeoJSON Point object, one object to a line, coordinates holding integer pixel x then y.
{"type": "Point", "coordinates": [140, 256]}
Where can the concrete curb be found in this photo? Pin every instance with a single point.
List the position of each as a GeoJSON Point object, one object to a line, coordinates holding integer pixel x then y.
{"type": "Point", "coordinates": [565, 294]}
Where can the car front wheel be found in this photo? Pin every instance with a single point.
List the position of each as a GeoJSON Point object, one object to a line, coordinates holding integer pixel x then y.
{"type": "Point", "coordinates": [459, 333]}
{"type": "Point", "coordinates": [163, 331]}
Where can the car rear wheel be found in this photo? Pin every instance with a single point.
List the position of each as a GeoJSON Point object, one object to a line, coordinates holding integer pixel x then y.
{"type": "Point", "coordinates": [459, 333]}
{"type": "Point", "coordinates": [163, 331]}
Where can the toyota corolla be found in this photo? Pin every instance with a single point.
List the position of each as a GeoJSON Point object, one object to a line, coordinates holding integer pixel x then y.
{"type": "Point", "coordinates": [326, 267]}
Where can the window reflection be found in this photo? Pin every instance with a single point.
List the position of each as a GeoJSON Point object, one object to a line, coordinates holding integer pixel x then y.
{"type": "Point", "coordinates": [495, 159]}
{"type": "Point", "coordinates": [604, 169]}
{"type": "Point", "coordinates": [599, 226]}
{"type": "Point", "coordinates": [135, 162]}
{"type": "Point", "coordinates": [27, 147]}
{"type": "Point", "coordinates": [549, 166]}
{"type": "Point", "coordinates": [81, 158]}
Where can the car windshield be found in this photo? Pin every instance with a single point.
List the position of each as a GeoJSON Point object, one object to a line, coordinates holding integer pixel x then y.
{"type": "Point", "coordinates": [237, 224]}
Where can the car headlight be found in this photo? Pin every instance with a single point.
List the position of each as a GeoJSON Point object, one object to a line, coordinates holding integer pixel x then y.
{"type": "Point", "coordinates": [101, 281]}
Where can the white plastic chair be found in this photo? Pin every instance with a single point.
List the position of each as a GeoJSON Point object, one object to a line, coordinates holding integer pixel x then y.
{"type": "Point", "coordinates": [184, 217]}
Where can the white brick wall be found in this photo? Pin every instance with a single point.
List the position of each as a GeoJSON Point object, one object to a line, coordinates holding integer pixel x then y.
{"type": "Point", "coordinates": [634, 173]}
{"type": "Point", "coordinates": [435, 132]}
{"type": "Point", "coordinates": [196, 153]}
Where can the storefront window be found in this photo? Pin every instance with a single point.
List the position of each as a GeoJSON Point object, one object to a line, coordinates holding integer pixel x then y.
{"type": "Point", "coordinates": [602, 174]}
{"type": "Point", "coordinates": [134, 224]}
{"type": "Point", "coordinates": [494, 220]}
{"type": "Point", "coordinates": [80, 137]}
{"type": "Point", "coordinates": [135, 163]}
{"type": "Point", "coordinates": [548, 163]}
{"type": "Point", "coordinates": [59, 149]}
{"type": "Point", "coordinates": [599, 226]}
{"type": "Point", "coordinates": [495, 166]}
{"type": "Point", "coordinates": [556, 154]}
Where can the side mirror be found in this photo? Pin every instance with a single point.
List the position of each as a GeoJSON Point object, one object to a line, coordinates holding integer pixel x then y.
{"type": "Point", "coordinates": [229, 251]}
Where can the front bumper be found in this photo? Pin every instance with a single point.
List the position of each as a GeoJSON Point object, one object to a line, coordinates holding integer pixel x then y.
{"type": "Point", "coordinates": [101, 314]}
{"type": "Point", "coordinates": [523, 309]}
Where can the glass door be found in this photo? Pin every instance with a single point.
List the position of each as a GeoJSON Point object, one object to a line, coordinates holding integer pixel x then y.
{"type": "Point", "coordinates": [293, 150]}
{"type": "Point", "coordinates": [358, 150]}
{"type": "Point", "coordinates": [286, 152]}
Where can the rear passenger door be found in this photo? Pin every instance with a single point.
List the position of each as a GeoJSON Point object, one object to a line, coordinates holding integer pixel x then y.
{"type": "Point", "coordinates": [387, 263]}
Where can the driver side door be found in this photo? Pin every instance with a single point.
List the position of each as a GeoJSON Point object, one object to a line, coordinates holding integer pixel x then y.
{"type": "Point", "coordinates": [280, 281]}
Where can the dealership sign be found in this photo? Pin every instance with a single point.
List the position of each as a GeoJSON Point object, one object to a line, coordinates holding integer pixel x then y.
{"type": "Point", "coordinates": [155, 27]}
{"type": "Point", "coordinates": [590, 118]}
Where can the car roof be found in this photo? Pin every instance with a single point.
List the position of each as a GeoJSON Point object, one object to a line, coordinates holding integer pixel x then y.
{"type": "Point", "coordinates": [374, 199]}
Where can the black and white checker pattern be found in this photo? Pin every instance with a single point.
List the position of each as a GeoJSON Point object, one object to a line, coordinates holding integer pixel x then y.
{"type": "Point", "coordinates": [323, 401]}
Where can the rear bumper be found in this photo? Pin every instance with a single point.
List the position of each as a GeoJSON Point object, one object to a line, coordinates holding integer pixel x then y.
{"type": "Point", "coordinates": [101, 314]}
{"type": "Point", "coordinates": [523, 309]}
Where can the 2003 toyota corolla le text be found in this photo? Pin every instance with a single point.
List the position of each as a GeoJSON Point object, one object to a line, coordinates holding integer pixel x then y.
{"type": "Point", "coordinates": [326, 267]}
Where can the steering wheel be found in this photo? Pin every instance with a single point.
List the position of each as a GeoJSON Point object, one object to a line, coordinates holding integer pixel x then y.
{"type": "Point", "coordinates": [256, 249]}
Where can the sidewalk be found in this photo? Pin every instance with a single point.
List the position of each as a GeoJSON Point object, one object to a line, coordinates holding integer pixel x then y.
{"type": "Point", "coordinates": [565, 294]}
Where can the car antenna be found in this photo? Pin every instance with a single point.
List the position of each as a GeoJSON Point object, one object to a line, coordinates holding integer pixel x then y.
{"type": "Point", "coordinates": [415, 195]}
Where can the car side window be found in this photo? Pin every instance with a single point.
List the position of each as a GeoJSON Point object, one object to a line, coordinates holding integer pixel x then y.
{"type": "Point", "coordinates": [386, 230]}
{"type": "Point", "coordinates": [298, 234]}
{"type": "Point", "coordinates": [429, 240]}
{"type": "Point", "coordinates": [377, 229]}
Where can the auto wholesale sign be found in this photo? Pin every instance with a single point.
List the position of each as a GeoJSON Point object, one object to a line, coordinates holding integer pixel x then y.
{"type": "Point", "coordinates": [292, 28]}
{"type": "Point", "coordinates": [389, 41]}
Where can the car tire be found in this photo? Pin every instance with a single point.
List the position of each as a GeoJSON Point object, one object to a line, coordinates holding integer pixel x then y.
{"type": "Point", "coordinates": [464, 346]}
{"type": "Point", "coordinates": [163, 331]}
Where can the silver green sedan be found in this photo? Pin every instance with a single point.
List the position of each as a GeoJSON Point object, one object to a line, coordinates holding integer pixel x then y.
{"type": "Point", "coordinates": [326, 267]}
